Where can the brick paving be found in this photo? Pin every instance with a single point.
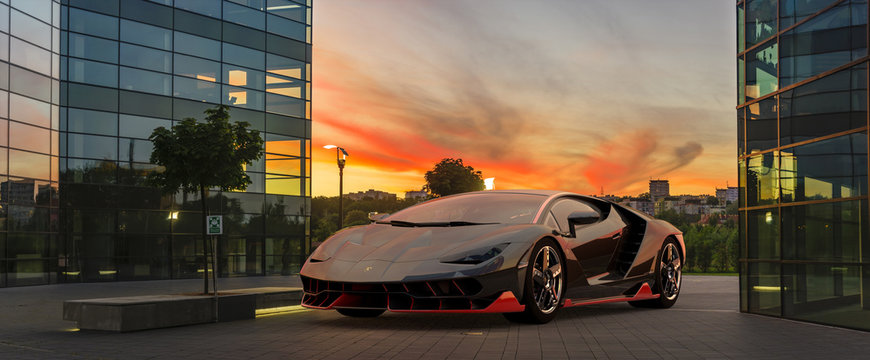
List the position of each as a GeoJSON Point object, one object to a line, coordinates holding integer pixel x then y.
{"type": "Point", "coordinates": [703, 324]}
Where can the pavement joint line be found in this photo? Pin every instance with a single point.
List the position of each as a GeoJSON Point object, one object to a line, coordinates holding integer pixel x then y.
{"type": "Point", "coordinates": [5, 343]}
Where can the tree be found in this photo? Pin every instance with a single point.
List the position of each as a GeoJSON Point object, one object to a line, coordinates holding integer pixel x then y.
{"type": "Point", "coordinates": [356, 217]}
{"type": "Point", "coordinates": [450, 176]}
{"type": "Point", "coordinates": [195, 156]}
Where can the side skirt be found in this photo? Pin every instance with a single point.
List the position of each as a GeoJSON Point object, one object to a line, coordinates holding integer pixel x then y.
{"type": "Point", "coordinates": [644, 293]}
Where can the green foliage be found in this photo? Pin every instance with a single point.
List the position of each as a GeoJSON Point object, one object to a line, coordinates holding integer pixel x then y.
{"type": "Point", "coordinates": [213, 153]}
{"type": "Point", "coordinates": [711, 248]}
{"type": "Point", "coordinates": [324, 213]}
{"type": "Point", "coordinates": [451, 176]}
{"type": "Point", "coordinates": [356, 217]}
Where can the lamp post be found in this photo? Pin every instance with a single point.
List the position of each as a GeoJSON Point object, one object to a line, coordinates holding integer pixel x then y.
{"type": "Point", "coordinates": [340, 158]}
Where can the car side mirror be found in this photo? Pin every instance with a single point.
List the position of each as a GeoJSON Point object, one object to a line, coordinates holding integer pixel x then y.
{"type": "Point", "coordinates": [581, 218]}
{"type": "Point", "coordinates": [375, 216]}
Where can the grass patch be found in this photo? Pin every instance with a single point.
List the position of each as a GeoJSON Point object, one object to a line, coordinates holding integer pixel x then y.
{"type": "Point", "coordinates": [711, 273]}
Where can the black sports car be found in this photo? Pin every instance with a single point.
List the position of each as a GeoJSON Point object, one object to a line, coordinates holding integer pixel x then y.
{"type": "Point", "coordinates": [525, 253]}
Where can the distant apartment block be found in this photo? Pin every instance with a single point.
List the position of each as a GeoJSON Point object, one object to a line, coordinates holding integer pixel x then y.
{"type": "Point", "coordinates": [419, 195]}
{"type": "Point", "coordinates": [371, 194]}
{"type": "Point", "coordinates": [659, 189]}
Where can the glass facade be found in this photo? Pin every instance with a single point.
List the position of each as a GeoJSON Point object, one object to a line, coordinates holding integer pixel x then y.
{"type": "Point", "coordinates": [802, 160]}
{"type": "Point", "coordinates": [83, 83]}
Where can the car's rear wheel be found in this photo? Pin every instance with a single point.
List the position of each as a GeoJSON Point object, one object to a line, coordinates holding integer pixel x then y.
{"type": "Point", "coordinates": [544, 284]}
{"type": "Point", "coordinates": [669, 275]}
{"type": "Point", "coordinates": [368, 313]}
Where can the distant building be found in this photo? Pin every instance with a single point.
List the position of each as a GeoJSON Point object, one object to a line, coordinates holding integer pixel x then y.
{"type": "Point", "coordinates": [419, 195]}
{"type": "Point", "coordinates": [659, 189]}
{"type": "Point", "coordinates": [731, 194]}
{"type": "Point", "coordinates": [643, 205]}
{"type": "Point", "coordinates": [722, 195]}
{"type": "Point", "coordinates": [371, 193]}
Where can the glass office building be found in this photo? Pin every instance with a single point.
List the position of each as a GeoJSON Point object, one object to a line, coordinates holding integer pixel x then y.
{"type": "Point", "coordinates": [802, 149]}
{"type": "Point", "coordinates": [82, 85]}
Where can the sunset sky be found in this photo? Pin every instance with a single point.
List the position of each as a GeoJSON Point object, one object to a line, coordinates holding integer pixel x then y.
{"type": "Point", "coordinates": [567, 95]}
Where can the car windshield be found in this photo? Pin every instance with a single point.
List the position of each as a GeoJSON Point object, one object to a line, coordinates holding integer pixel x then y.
{"type": "Point", "coordinates": [478, 208]}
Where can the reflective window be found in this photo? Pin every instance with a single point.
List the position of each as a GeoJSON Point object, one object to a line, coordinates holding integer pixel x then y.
{"type": "Point", "coordinates": [741, 29]}
{"type": "Point", "coordinates": [4, 24]}
{"type": "Point", "coordinates": [288, 28]}
{"type": "Point", "coordinates": [283, 185]}
{"type": "Point", "coordinates": [92, 122]}
{"type": "Point", "coordinates": [29, 83]}
{"type": "Point", "coordinates": [198, 68]}
{"type": "Point", "coordinates": [30, 56]}
{"type": "Point", "coordinates": [93, 24]}
{"type": "Point", "coordinates": [197, 89]}
{"type": "Point", "coordinates": [206, 7]}
{"type": "Point", "coordinates": [283, 66]}
{"type": "Point", "coordinates": [91, 146]}
{"type": "Point", "coordinates": [762, 183]}
{"type": "Point", "coordinates": [148, 35]}
{"type": "Point", "coordinates": [197, 46]}
{"type": "Point", "coordinates": [243, 56]}
{"type": "Point", "coordinates": [146, 58]}
{"type": "Point", "coordinates": [29, 110]}
{"type": "Point", "coordinates": [741, 183]}
{"type": "Point", "coordinates": [764, 288]}
{"type": "Point", "coordinates": [283, 145]}
{"type": "Point", "coordinates": [825, 232]}
{"type": "Point", "coordinates": [285, 86]}
{"type": "Point", "coordinates": [244, 15]}
{"type": "Point", "coordinates": [761, 125]}
{"type": "Point", "coordinates": [140, 126]}
{"type": "Point", "coordinates": [89, 47]}
{"type": "Point", "coordinates": [4, 104]}
{"type": "Point", "coordinates": [4, 47]}
{"type": "Point", "coordinates": [90, 171]}
{"type": "Point", "coordinates": [760, 20]}
{"type": "Point", "coordinates": [829, 105]}
{"type": "Point", "coordinates": [26, 137]}
{"type": "Point", "coordinates": [830, 293]}
{"type": "Point", "coordinates": [249, 99]}
{"type": "Point", "coordinates": [29, 165]}
{"type": "Point", "coordinates": [244, 77]}
{"type": "Point", "coordinates": [30, 29]}
{"type": "Point", "coordinates": [284, 165]}
{"type": "Point", "coordinates": [761, 66]}
{"type": "Point", "coordinates": [792, 11]}
{"type": "Point", "coordinates": [741, 149]}
{"type": "Point", "coordinates": [285, 105]}
{"type": "Point", "coordinates": [287, 9]}
{"type": "Point", "coordinates": [741, 81]}
{"type": "Point", "coordinates": [92, 72]}
{"type": "Point", "coordinates": [40, 9]}
{"type": "Point", "coordinates": [4, 76]}
{"type": "Point", "coordinates": [136, 150]}
{"type": "Point", "coordinates": [763, 233]}
{"type": "Point", "coordinates": [831, 39]}
{"type": "Point", "coordinates": [146, 81]}
{"type": "Point", "coordinates": [828, 169]}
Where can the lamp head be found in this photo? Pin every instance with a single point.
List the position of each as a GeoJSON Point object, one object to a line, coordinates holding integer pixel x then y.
{"type": "Point", "coordinates": [329, 146]}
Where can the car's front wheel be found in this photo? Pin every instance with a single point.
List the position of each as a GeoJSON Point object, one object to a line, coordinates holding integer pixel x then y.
{"type": "Point", "coordinates": [668, 275]}
{"type": "Point", "coordinates": [360, 312]}
{"type": "Point", "coordinates": [544, 284]}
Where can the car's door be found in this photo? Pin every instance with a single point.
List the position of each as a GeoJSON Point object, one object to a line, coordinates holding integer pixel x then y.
{"type": "Point", "coordinates": [595, 243]}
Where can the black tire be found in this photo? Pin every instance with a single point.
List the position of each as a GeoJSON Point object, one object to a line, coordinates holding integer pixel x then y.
{"type": "Point", "coordinates": [361, 313]}
{"type": "Point", "coordinates": [550, 285]}
{"type": "Point", "coordinates": [668, 277]}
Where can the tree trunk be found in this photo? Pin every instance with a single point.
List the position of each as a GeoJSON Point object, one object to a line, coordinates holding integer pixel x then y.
{"type": "Point", "coordinates": [202, 199]}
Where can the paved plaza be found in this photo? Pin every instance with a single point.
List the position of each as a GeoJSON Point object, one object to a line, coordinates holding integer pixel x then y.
{"type": "Point", "coordinates": [703, 324]}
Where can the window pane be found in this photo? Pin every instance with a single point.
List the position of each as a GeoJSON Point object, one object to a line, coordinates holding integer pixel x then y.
{"type": "Point", "coordinates": [29, 83]}
{"type": "Point", "coordinates": [760, 20]}
{"type": "Point", "coordinates": [763, 234]}
{"type": "Point", "coordinates": [29, 165]}
{"type": "Point", "coordinates": [90, 146]}
{"type": "Point", "coordinates": [84, 46]}
{"type": "Point", "coordinates": [29, 110]}
{"type": "Point", "coordinates": [825, 232]}
{"type": "Point", "coordinates": [283, 185]}
{"type": "Point", "coordinates": [92, 122]}
{"type": "Point", "coordinates": [761, 125]}
{"type": "Point", "coordinates": [148, 35]}
{"type": "Point", "coordinates": [4, 47]}
{"type": "Point", "coordinates": [243, 56]}
{"type": "Point", "coordinates": [827, 293]}
{"type": "Point", "coordinates": [93, 24]}
{"type": "Point", "coordinates": [197, 89]}
{"type": "Point", "coordinates": [136, 150]}
{"type": "Point", "coordinates": [244, 15]}
{"type": "Point", "coordinates": [288, 28]}
{"type": "Point", "coordinates": [831, 39]}
{"type": "Point", "coordinates": [201, 69]}
{"type": "Point", "coordinates": [28, 137]}
{"type": "Point", "coordinates": [140, 126]}
{"type": "Point", "coordinates": [239, 76]}
{"type": "Point", "coordinates": [828, 169]}
{"type": "Point", "coordinates": [41, 9]}
{"type": "Point", "coordinates": [286, 9]}
{"type": "Point", "coordinates": [285, 105]}
{"type": "Point", "coordinates": [94, 73]}
{"type": "Point", "coordinates": [196, 45]}
{"type": "Point", "coordinates": [741, 122]}
{"type": "Point", "coordinates": [146, 58]}
{"type": "Point", "coordinates": [31, 57]}
{"type": "Point", "coordinates": [285, 86]}
{"type": "Point", "coordinates": [283, 66]}
{"type": "Point", "coordinates": [761, 66]}
{"type": "Point", "coordinates": [741, 81]}
{"type": "Point", "coordinates": [245, 98]}
{"type": "Point", "coordinates": [30, 29]}
{"type": "Point", "coordinates": [206, 7]}
{"type": "Point", "coordinates": [146, 81]}
{"type": "Point", "coordinates": [792, 11]}
{"type": "Point", "coordinates": [762, 183]}
{"type": "Point", "coordinates": [763, 282]}
{"type": "Point", "coordinates": [829, 105]}
{"type": "Point", "coordinates": [283, 145]}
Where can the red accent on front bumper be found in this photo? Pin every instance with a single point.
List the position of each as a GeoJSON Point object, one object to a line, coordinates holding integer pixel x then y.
{"type": "Point", "coordinates": [505, 303]}
{"type": "Point", "coordinates": [644, 293]}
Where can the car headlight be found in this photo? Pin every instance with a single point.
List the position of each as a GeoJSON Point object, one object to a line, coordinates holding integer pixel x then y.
{"type": "Point", "coordinates": [475, 256]}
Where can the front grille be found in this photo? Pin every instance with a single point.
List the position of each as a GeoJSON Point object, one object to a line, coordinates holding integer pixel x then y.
{"type": "Point", "coordinates": [456, 294]}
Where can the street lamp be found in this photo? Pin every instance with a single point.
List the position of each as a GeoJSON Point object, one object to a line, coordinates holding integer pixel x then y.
{"type": "Point", "coordinates": [340, 158]}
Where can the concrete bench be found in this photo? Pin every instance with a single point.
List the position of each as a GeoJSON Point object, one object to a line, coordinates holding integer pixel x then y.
{"type": "Point", "coordinates": [160, 311]}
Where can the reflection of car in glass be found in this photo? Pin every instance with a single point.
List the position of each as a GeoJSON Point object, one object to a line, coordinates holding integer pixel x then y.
{"type": "Point", "coordinates": [525, 253]}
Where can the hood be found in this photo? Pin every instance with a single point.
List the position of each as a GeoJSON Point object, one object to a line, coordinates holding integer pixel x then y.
{"type": "Point", "coordinates": [405, 244]}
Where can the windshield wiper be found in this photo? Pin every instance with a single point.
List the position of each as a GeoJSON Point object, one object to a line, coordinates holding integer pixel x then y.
{"type": "Point", "coordinates": [434, 224]}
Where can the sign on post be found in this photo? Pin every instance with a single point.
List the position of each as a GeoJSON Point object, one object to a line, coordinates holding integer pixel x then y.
{"type": "Point", "coordinates": [214, 225]}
